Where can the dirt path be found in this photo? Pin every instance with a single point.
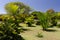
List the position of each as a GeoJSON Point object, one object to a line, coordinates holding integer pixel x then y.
{"type": "Point", "coordinates": [31, 35]}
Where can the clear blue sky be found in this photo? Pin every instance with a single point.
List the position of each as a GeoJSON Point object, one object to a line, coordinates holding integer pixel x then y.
{"type": "Point", "coordinates": [39, 5]}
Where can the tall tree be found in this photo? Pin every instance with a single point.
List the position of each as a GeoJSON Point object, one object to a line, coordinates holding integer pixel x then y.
{"type": "Point", "coordinates": [12, 27]}
{"type": "Point", "coordinates": [17, 7]}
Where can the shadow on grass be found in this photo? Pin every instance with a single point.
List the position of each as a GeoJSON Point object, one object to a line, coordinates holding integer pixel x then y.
{"type": "Point", "coordinates": [32, 26]}
{"type": "Point", "coordinates": [50, 30]}
{"type": "Point", "coordinates": [24, 29]}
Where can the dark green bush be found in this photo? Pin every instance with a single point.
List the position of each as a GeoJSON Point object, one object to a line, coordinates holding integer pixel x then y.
{"type": "Point", "coordinates": [58, 25]}
{"type": "Point", "coordinates": [37, 23]}
{"type": "Point", "coordinates": [29, 20]}
{"type": "Point", "coordinates": [9, 31]}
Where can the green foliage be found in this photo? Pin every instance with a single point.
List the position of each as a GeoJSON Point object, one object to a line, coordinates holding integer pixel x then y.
{"type": "Point", "coordinates": [11, 8]}
{"type": "Point", "coordinates": [58, 25]}
{"type": "Point", "coordinates": [38, 23]}
{"type": "Point", "coordinates": [10, 28]}
{"type": "Point", "coordinates": [43, 20]}
{"type": "Point", "coordinates": [23, 17]}
{"type": "Point", "coordinates": [29, 20]}
{"type": "Point", "coordinates": [17, 7]}
{"type": "Point", "coordinates": [50, 11]}
{"type": "Point", "coordinates": [51, 16]}
{"type": "Point", "coordinates": [9, 32]}
{"type": "Point", "coordinates": [19, 12]}
{"type": "Point", "coordinates": [34, 14]}
{"type": "Point", "coordinates": [58, 15]}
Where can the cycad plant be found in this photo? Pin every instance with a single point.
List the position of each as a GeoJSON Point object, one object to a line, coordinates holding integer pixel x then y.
{"type": "Point", "coordinates": [43, 20]}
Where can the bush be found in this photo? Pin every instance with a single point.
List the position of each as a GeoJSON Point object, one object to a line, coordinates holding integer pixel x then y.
{"type": "Point", "coordinates": [37, 23]}
{"type": "Point", "coordinates": [29, 20]}
{"type": "Point", "coordinates": [43, 20]}
{"type": "Point", "coordinates": [58, 25]}
{"type": "Point", "coordinates": [9, 31]}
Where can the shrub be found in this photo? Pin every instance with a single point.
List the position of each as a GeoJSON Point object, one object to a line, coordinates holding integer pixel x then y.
{"type": "Point", "coordinates": [58, 25]}
{"type": "Point", "coordinates": [8, 32]}
{"type": "Point", "coordinates": [43, 20]}
{"type": "Point", "coordinates": [38, 23]}
{"type": "Point", "coordinates": [51, 16]}
{"type": "Point", "coordinates": [29, 20]}
{"type": "Point", "coordinates": [10, 28]}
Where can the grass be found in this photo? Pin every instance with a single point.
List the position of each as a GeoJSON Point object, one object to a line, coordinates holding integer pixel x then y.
{"type": "Point", "coordinates": [35, 33]}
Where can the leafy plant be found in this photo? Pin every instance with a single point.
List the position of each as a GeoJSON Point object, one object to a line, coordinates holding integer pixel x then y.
{"type": "Point", "coordinates": [10, 28]}
{"type": "Point", "coordinates": [38, 23]}
{"type": "Point", "coordinates": [8, 31]}
{"type": "Point", "coordinates": [34, 13]}
{"type": "Point", "coordinates": [43, 20]}
{"type": "Point", "coordinates": [39, 35]}
{"type": "Point", "coordinates": [51, 16]}
{"type": "Point", "coordinates": [29, 20]}
{"type": "Point", "coordinates": [58, 25]}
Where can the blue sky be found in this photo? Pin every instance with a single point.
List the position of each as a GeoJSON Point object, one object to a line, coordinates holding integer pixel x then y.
{"type": "Point", "coordinates": [39, 5]}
